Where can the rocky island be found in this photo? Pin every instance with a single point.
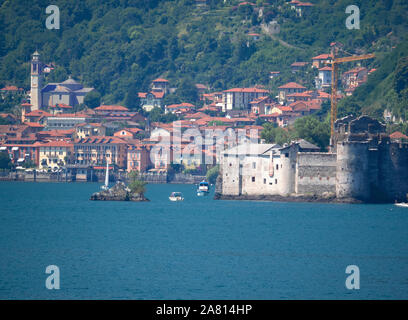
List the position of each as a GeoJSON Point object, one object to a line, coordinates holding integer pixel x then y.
{"type": "Point", "coordinates": [119, 192]}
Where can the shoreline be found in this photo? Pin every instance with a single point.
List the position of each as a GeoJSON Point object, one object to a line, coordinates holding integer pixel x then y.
{"type": "Point", "coordinates": [300, 199]}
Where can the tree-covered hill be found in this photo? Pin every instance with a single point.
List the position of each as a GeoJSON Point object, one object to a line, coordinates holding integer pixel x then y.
{"type": "Point", "coordinates": [119, 46]}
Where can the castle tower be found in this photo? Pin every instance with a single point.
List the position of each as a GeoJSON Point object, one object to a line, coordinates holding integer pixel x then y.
{"type": "Point", "coordinates": [352, 172]}
{"type": "Point", "coordinates": [36, 81]}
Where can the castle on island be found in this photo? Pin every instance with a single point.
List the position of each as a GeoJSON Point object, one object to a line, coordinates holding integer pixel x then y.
{"type": "Point", "coordinates": [69, 92]}
{"type": "Point", "coordinates": [363, 165]}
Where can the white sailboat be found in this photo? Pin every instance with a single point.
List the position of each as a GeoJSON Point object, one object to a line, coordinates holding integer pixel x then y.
{"type": "Point", "coordinates": [106, 185]}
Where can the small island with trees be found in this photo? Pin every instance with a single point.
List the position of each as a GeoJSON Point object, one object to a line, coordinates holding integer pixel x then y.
{"type": "Point", "coordinates": [134, 191]}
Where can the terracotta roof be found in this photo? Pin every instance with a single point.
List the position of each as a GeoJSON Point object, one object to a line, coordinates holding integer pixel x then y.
{"type": "Point", "coordinates": [156, 94]}
{"type": "Point", "coordinates": [58, 133]}
{"type": "Point", "coordinates": [248, 90]}
{"type": "Point", "coordinates": [324, 56]}
{"type": "Point", "coordinates": [160, 80]}
{"type": "Point", "coordinates": [61, 105]}
{"type": "Point", "coordinates": [285, 108]}
{"type": "Point", "coordinates": [291, 85]}
{"type": "Point", "coordinates": [69, 115]}
{"type": "Point", "coordinates": [38, 113]}
{"type": "Point", "coordinates": [57, 143]}
{"type": "Point", "coordinates": [398, 135]}
{"type": "Point", "coordinates": [33, 124]}
{"type": "Point", "coordinates": [327, 68]}
{"type": "Point", "coordinates": [298, 64]}
{"type": "Point", "coordinates": [201, 86]}
{"type": "Point", "coordinates": [111, 108]}
{"type": "Point", "coordinates": [300, 94]}
{"type": "Point", "coordinates": [101, 140]}
{"type": "Point", "coordinates": [305, 4]}
{"type": "Point", "coordinates": [11, 88]}
{"type": "Point", "coordinates": [180, 105]}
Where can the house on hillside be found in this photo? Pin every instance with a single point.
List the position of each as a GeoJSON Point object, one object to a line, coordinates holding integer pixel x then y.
{"type": "Point", "coordinates": [160, 85]}
{"type": "Point", "coordinates": [322, 60]}
{"type": "Point", "coordinates": [289, 88]}
{"type": "Point", "coordinates": [240, 98]}
{"type": "Point", "coordinates": [150, 100]}
{"type": "Point", "coordinates": [323, 81]}
{"type": "Point", "coordinates": [355, 77]}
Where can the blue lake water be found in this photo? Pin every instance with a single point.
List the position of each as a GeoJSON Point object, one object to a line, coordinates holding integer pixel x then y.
{"type": "Point", "coordinates": [197, 249]}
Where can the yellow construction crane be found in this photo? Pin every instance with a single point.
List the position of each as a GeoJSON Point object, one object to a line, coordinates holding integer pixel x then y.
{"type": "Point", "coordinates": [335, 62]}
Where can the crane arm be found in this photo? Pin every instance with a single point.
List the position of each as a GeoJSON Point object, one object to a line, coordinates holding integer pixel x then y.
{"type": "Point", "coordinates": [353, 58]}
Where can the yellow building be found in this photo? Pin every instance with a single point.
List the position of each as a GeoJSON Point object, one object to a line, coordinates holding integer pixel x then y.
{"type": "Point", "coordinates": [55, 154]}
{"type": "Point", "coordinates": [99, 150]}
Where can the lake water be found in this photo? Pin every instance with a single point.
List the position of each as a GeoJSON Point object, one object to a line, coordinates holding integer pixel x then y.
{"type": "Point", "coordinates": [197, 249]}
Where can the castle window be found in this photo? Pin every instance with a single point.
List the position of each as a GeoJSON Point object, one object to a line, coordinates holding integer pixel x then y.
{"type": "Point", "coordinates": [277, 167]}
{"type": "Point", "coordinates": [264, 181]}
{"type": "Point", "coordinates": [276, 181]}
{"type": "Point", "coordinates": [286, 155]}
{"type": "Point", "coordinates": [253, 165]}
{"type": "Point", "coordinates": [253, 179]}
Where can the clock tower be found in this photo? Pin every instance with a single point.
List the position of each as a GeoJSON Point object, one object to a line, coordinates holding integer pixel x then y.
{"type": "Point", "coordinates": [36, 82]}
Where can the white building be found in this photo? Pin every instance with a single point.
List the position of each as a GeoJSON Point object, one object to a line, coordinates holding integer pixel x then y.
{"type": "Point", "coordinates": [240, 98]}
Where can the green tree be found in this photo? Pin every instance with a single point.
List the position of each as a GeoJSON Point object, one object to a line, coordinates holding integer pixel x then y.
{"type": "Point", "coordinates": [274, 134]}
{"type": "Point", "coordinates": [136, 185]}
{"type": "Point", "coordinates": [187, 91]}
{"type": "Point", "coordinates": [5, 162]}
{"type": "Point", "coordinates": [313, 130]}
{"type": "Point", "coordinates": [132, 100]}
{"type": "Point", "coordinates": [212, 174]}
{"type": "Point", "coordinates": [93, 99]}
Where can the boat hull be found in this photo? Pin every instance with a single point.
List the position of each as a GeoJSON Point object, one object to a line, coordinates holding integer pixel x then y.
{"type": "Point", "coordinates": [404, 205]}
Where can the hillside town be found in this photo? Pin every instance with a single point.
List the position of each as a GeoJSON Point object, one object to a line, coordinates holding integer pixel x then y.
{"type": "Point", "coordinates": [50, 135]}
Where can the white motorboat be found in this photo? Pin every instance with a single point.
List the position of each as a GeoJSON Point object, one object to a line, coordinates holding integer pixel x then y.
{"type": "Point", "coordinates": [402, 204]}
{"type": "Point", "coordinates": [176, 196]}
{"type": "Point", "coordinates": [204, 186]}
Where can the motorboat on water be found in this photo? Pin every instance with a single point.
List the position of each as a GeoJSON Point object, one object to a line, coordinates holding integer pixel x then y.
{"type": "Point", "coordinates": [176, 196]}
{"type": "Point", "coordinates": [402, 204]}
{"type": "Point", "coordinates": [203, 188]}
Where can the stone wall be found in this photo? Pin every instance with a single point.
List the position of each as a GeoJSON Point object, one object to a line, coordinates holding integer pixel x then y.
{"type": "Point", "coordinates": [315, 173]}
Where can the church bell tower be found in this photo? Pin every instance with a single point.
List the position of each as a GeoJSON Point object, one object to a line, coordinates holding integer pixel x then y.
{"type": "Point", "coordinates": [36, 82]}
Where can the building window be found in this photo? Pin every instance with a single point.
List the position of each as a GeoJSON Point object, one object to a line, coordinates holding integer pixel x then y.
{"type": "Point", "coordinates": [253, 179]}
{"type": "Point", "coordinates": [276, 181]}
{"type": "Point", "coordinates": [277, 167]}
{"type": "Point", "coordinates": [264, 181]}
{"type": "Point", "coordinates": [253, 165]}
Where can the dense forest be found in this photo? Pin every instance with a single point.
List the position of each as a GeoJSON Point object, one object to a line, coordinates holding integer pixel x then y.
{"type": "Point", "coordinates": [119, 46]}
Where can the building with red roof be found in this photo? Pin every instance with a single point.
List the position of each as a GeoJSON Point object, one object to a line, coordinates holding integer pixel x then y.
{"type": "Point", "coordinates": [110, 108]}
{"type": "Point", "coordinates": [322, 60]}
{"type": "Point", "coordinates": [128, 133]}
{"type": "Point", "coordinates": [138, 157]}
{"type": "Point", "coordinates": [240, 98]}
{"type": "Point", "coordinates": [55, 154]}
{"type": "Point", "coordinates": [99, 150]}
{"type": "Point", "coordinates": [289, 88]}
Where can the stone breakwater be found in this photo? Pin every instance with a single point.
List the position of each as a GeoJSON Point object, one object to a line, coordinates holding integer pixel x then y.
{"type": "Point", "coordinates": [119, 192]}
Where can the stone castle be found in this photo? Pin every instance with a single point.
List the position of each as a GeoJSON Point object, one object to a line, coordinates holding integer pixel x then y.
{"type": "Point", "coordinates": [363, 166]}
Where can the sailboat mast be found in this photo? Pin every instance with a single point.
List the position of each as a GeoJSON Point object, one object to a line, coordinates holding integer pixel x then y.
{"type": "Point", "coordinates": [107, 175]}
